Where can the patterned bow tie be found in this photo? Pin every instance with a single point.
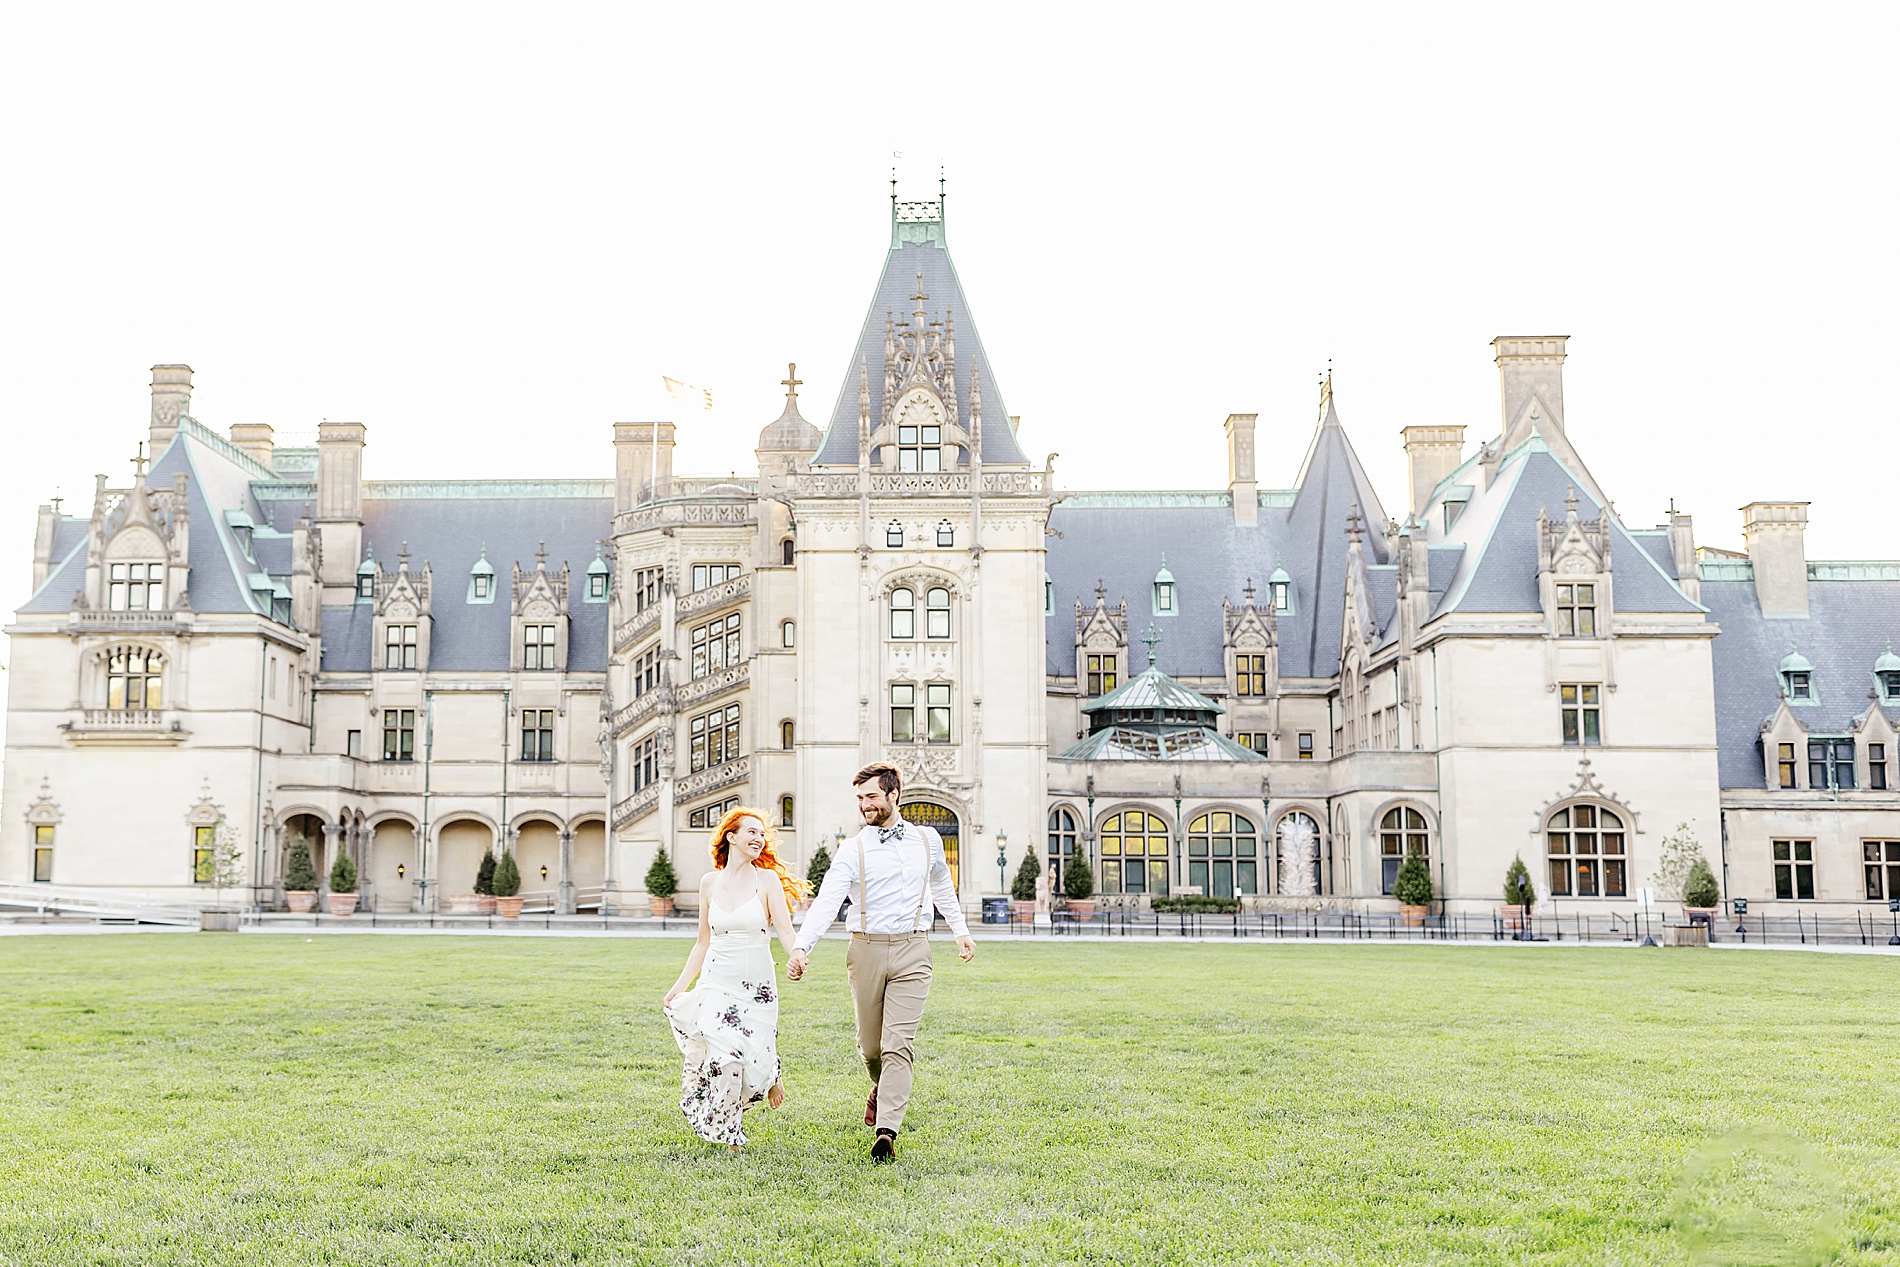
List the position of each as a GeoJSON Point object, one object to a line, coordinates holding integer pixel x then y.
{"type": "Point", "coordinates": [887, 834]}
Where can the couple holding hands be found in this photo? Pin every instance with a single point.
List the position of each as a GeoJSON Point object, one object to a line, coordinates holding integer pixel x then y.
{"type": "Point", "coordinates": [727, 1024]}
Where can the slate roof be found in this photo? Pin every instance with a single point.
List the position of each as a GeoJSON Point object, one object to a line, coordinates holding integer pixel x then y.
{"type": "Point", "coordinates": [1120, 538]}
{"type": "Point", "coordinates": [895, 285]}
{"type": "Point", "coordinates": [1850, 624]}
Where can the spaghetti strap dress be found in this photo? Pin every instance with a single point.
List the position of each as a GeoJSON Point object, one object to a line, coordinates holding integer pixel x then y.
{"type": "Point", "coordinates": [727, 1024]}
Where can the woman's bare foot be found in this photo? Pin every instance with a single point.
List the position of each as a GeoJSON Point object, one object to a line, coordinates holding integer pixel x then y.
{"type": "Point", "coordinates": [731, 1149]}
{"type": "Point", "coordinates": [776, 1096]}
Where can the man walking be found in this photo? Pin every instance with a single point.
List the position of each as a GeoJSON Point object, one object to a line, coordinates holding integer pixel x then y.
{"type": "Point", "coordinates": [899, 872]}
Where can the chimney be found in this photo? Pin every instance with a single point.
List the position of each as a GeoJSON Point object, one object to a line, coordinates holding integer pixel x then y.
{"type": "Point", "coordinates": [1777, 546]}
{"type": "Point", "coordinates": [1530, 370]}
{"type": "Point", "coordinates": [1431, 453]}
{"type": "Point", "coordinates": [1240, 474]}
{"type": "Point", "coordinates": [255, 439]}
{"type": "Point", "coordinates": [171, 399]}
{"type": "Point", "coordinates": [1682, 551]}
{"type": "Point", "coordinates": [43, 534]}
{"type": "Point", "coordinates": [340, 471]}
{"type": "Point", "coordinates": [643, 456]}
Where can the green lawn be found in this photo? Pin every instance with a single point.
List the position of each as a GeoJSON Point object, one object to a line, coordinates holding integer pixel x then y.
{"type": "Point", "coordinates": [277, 1099]}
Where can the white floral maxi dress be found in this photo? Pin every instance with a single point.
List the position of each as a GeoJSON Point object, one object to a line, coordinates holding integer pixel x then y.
{"type": "Point", "coordinates": [727, 1025]}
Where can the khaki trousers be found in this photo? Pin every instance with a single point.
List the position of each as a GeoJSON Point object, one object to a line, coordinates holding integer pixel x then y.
{"type": "Point", "coordinates": [890, 979]}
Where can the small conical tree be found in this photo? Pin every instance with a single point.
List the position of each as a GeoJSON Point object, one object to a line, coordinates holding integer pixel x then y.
{"type": "Point", "coordinates": [1518, 889]}
{"type": "Point", "coordinates": [300, 873]}
{"type": "Point", "coordinates": [1023, 888]}
{"type": "Point", "coordinates": [343, 873]}
{"type": "Point", "coordinates": [816, 868]}
{"type": "Point", "coordinates": [485, 874]}
{"type": "Point", "coordinates": [1700, 889]}
{"type": "Point", "coordinates": [1078, 878]}
{"type": "Point", "coordinates": [1413, 885]}
{"type": "Point", "coordinates": [662, 880]}
{"type": "Point", "coordinates": [507, 876]}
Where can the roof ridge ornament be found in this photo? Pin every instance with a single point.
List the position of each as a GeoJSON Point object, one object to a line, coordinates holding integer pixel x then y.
{"type": "Point", "coordinates": [1152, 638]}
{"type": "Point", "coordinates": [791, 382]}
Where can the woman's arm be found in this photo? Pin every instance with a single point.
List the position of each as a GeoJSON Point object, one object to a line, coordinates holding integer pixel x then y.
{"type": "Point", "coordinates": [777, 909]}
{"type": "Point", "coordinates": [697, 957]}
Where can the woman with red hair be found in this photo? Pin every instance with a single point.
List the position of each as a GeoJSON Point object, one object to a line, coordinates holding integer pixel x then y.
{"type": "Point", "coordinates": [727, 1025]}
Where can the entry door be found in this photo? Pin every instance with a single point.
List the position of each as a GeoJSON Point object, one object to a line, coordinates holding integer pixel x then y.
{"type": "Point", "coordinates": [926, 814]}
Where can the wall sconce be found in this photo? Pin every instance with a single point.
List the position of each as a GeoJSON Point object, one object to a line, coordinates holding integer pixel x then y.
{"type": "Point", "coordinates": [401, 871]}
{"type": "Point", "coordinates": [544, 871]}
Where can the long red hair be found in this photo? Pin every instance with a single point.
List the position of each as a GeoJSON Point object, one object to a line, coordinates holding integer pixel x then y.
{"type": "Point", "coordinates": [795, 889]}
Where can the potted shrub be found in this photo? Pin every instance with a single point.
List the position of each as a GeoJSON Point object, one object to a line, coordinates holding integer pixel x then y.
{"type": "Point", "coordinates": [300, 879]}
{"type": "Point", "coordinates": [1078, 885]}
{"type": "Point", "coordinates": [663, 882]}
{"type": "Point", "coordinates": [485, 884]}
{"type": "Point", "coordinates": [1022, 890]}
{"type": "Point", "coordinates": [507, 886]}
{"type": "Point", "coordinates": [1700, 892]}
{"type": "Point", "coordinates": [1520, 895]}
{"type": "Point", "coordinates": [342, 884]}
{"type": "Point", "coordinates": [1413, 888]}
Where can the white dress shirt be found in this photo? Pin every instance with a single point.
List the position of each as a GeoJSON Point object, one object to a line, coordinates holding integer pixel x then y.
{"type": "Point", "coordinates": [893, 886]}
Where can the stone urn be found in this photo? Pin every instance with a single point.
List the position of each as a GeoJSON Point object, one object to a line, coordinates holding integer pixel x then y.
{"type": "Point", "coordinates": [343, 903]}
{"type": "Point", "coordinates": [661, 907]}
{"type": "Point", "coordinates": [507, 907]}
{"type": "Point", "coordinates": [302, 901]}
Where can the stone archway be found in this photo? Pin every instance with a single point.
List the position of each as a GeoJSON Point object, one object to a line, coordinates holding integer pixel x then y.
{"type": "Point", "coordinates": [391, 870]}
{"type": "Point", "coordinates": [459, 848]}
{"type": "Point", "coordinates": [308, 828]}
{"type": "Point", "coordinates": [944, 820]}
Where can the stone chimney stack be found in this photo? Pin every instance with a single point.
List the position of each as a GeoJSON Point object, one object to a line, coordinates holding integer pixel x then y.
{"type": "Point", "coordinates": [1682, 551]}
{"type": "Point", "coordinates": [1530, 370]}
{"type": "Point", "coordinates": [255, 439]}
{"type": "Point", "coordinates": [340, 507]}
{"type": "Point", "coordinates": [1240, 469]}
{"type": "Point", "coordinates": [171, 398]}
{"type": "Point", "coordinates": [1431, 453]}
{"type": "Point", "coordinates": [643, 458]}
{"type": "Point", "coordinates": [1776, 533]}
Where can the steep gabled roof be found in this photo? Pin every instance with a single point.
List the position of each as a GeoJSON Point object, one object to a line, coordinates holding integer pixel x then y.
{"type": "Point", "coordinates": [917, 248]}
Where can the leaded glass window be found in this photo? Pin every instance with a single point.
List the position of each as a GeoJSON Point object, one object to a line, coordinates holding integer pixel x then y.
{"type": "Point", "coordinates": [1223, 854]}
{"type": "Point", "coordinates": [1587, 852]}
{"type": "Point", "coordinates": [1134, 849]}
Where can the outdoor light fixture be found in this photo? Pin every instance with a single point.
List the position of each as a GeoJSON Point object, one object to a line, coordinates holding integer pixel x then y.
{"type": "Point", "coordinates": [1893, 908]}
{"type": "Point", "coordinates": [401, 871]}
{"type": "Point", "coordinates": [544, 871]}
{"type": "Point", "coordinates": [1002, 854]}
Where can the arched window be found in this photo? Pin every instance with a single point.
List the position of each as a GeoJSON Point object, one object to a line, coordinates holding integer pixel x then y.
{"type": "Point", "coordinates": [137, 587]}
{"type": "Point", "coordinates": [788, 634]}
{"type": "Point", "coordinates": [1298, 835]}
{"type": "Point", "coordinates": [903, 614]}
{"type": "Point", "coordinates": [1587, 854]}
{"type": "Point", "coordinates": [1062, 839]}
{"type": "Point", "coordinates": [134, 678]}
{"type": "Point", "coordinates": [1401, 831]}
{"type": "Point", "coordinates": [1134, 853]}
{"type": "Point", "coordinates": [946, 533]}
{"type": "Point", "coordinates": [1223, 854]}
{"type": "Point", "coordinates": [894, 535]}
{"type": "Point", "coordinates": [785, 735]}
{"type": "Point", "coordinates": [937, 613]}
{"type": "Point", "coordinates": [785, 808]}
{"type": "Point", "coordinates": [788, 550]}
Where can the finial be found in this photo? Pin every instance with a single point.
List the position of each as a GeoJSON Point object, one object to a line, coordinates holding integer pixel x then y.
{"type": "Point", "coordinates": [57, 499]}
{"type": "Point", "coordinates": [1672, 505]}
{"type": "Point", "coordinates": [1248, 591]}
{"type": "Point", "coordinates": [402, 558]}
{"type": "Point", "coordinates": [1355, 524]}
{"type": "Point", "coordinates": [1152, 637]}
{"type": "Point", "coordinates": [1101, 591]}
{"type": "Point", "coordinates": [138, 460]}
{"type": "Point", "coordinates": [791, 382]}
{"type": "Point", "coordinates": [920, 296]}
{"type": "Point", "coordinates": [541, 557]}
{"type": "Point", "coordinates": [1570, 501]}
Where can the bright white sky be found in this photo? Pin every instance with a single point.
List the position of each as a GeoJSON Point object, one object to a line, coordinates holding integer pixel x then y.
{"type": "Point", "coordinates": [487, 232]}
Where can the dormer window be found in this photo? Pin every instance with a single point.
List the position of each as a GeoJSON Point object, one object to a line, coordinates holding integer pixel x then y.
{"type": "Point", "coordinates": [1799, 687]}
{"type": "Point", "coordinates": [1452, 511]}
{"type": "Point", "coordinates": [946, 533]}
{"type": "Point", "coordinates": [137, 587]}
{"type": "Point", "coordinates": [1797, 678]}
{"type": "Point", "coordinates": [366, 579]}
{"type": "Point", "coordinates": [484, 587]}
{"type": "Point", "coordinates": [481, 580]}
{"type": "Point", "coordinates": [894, 535]}
{"type": "Point", "coordinates": [597, 581]}
{"type": "Point", "coordinates": [918, 448]}
{"type": "Point", "coordinates": [1164, 596]}
{"type": "Point", "coordinates": [1887, 677]}
{"type": "Point", "coordinates": [1576, 611]}
{"type": "Point", "coordinates": [1280, 592]}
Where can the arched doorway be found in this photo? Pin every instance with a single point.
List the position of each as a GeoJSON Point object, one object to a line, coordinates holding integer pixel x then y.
{"type": "Point", "coordinates": [930, 814]}
{"type": "Point", "coordinates": [392, 864]}
{"type": "Point", "coordinates": [308, 829]}
{"type": "Point", "coordinates": [459, 849]}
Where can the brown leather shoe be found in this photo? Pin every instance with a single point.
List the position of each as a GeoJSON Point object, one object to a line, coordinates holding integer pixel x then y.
{"type": "Point", "coordinates": [884, 1147]}
{"type": "Point", "coordinates": [870, 1107]}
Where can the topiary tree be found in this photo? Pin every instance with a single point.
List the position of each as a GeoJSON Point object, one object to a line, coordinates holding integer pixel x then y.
{"type": "Point", "coordinates": [1518, 890]}
{"type": "Point", "coordinates": [485, 874]}
{"type": "Point", "coordinates": [1700, 889]}
{"type": "Point", "coordinates": [343, 873]}
{"type": "Point", "coordinates": [1078, 879]}
{"type": "Point", "coordinates": [816, 868]}
{"type": "Point", "coordinates": [1413, 885]}
{"type": "Point", "coordinates": [300, 873]}
{"type": "Point", "coordinates": [507, 875]}
{"type": "Point", "coordinates": [662, 880]}
{"type": "Point", "coordinates": [1023, 887]}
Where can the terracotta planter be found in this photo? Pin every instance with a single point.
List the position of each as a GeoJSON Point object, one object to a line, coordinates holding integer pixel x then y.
{"type": "Point", "coordinates": [302, 901]}
{"type": "Point", "coordinates": [508, 907]}
{"type": "Point", "coordinates": [660, 906]}
{"type": "Point", "coordinates": [1514, 917]}
{"type": "Point", "coordinates": [343, 903]}
{"type": "Point", "coordinates": [1081, 907]}
{"type": "Point", "coordinates": [1413, 916]}
{"type": "Point", "coordinates": [1023, 912]}
{"type": "Point", "coordinates": [465, 904]}
{"type": "Point", "coordinates": [484, 903]}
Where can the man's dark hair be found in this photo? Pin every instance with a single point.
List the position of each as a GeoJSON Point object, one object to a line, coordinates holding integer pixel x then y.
{"type": "Point", "coordinates": [884, 772]}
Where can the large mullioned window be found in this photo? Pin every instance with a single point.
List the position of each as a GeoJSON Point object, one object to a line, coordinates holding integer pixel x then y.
{"type": "Point", "coordinates": [1587, 852]}
{"type": "Point", "coordinates": [1576, 611]}
{"type": "Point", "coordinates": [134, 678]}
{"type": "Point", "coordinates": [716, 645]}
{"type": "Point", "coordinates": [1134, 848]}
{"type": "Point", "coordinates": [1223, 854]}
{"type": "Point", "coordinates": [136, 587]}
{"type": "Point", "coordinates": [1401, 831]}
{"type": "Point", "coordinates": [714, 737]}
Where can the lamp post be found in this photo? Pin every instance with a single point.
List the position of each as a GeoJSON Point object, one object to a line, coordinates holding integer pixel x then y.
{"type": "Point", "coordinates": [1002, 860]}
{"type": "Point", "coordinates": [1893, 908]}
{"type": "Point", "coordinates": [1741, 908]}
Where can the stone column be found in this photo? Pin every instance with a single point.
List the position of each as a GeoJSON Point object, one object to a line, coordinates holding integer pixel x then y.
{"type": "Point", "coordinates": [332, 841]}
{"type": "Point", "coordinates": [564, 893]}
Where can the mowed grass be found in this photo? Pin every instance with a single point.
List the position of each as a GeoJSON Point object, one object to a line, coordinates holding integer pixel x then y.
{"type": "Point", "coordinates": [341, 1099]}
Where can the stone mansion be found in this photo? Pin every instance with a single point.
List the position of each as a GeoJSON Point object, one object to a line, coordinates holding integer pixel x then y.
{"type": "Point", "coordinates": [1269, 692]}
